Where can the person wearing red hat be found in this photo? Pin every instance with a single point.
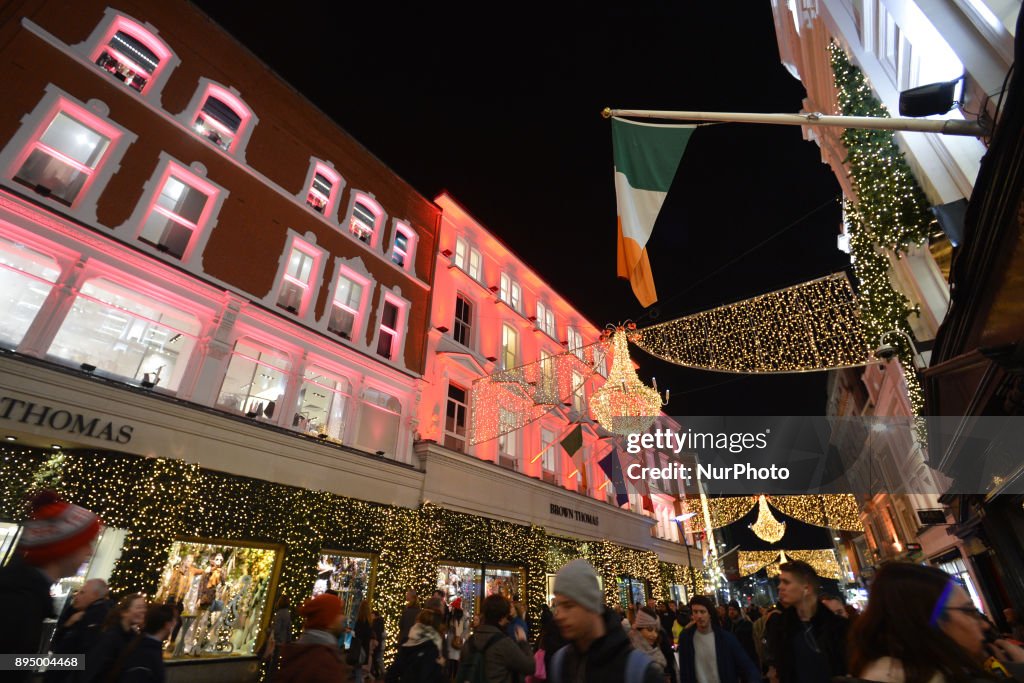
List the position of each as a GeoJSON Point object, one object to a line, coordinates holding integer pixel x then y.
{"type": "Point", "coordinates": [315, 657]}
{"type": "Point", "coordinates": [55, 541]}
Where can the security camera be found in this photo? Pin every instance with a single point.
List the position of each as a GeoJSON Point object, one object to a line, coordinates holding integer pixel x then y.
{"type": "Point", "coordinates": [886, 352]}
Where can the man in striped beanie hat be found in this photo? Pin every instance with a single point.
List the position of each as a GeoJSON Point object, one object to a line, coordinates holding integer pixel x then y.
{"type": "Point", "coordinates": [55, 541]}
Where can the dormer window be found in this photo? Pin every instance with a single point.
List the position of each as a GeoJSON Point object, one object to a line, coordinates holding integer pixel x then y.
{"type": "Point", "coordinates": [131, 54]}
{"type": "Point", "coordinates": [222, 118]}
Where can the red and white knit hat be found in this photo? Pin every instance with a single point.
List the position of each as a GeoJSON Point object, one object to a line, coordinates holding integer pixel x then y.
{"type": "Point", "coordinates": [56, 529]}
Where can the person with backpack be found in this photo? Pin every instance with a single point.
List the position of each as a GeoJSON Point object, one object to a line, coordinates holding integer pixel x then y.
{"type": "Point", "coordinates": [599, 650]}
{"type": "Point", "coordinates": [419, 657]}
{"type": "Point", "coordinates": [490, 656]}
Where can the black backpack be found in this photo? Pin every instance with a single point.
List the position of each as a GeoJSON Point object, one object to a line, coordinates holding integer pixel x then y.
{"type": "Point", "coordinates": [473, 670]}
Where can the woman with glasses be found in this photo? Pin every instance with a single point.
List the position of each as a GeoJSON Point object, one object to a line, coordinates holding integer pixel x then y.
{"type": "Point", "coordinates": [920, 626]}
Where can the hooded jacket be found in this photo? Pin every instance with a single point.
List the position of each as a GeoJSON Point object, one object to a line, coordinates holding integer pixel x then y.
{"type": "Point", "coordinates": [313, 658]}
{"type": "Point", "coordinates": [605, 659]}
{"type": "Point", "coordinates": [505, 661]}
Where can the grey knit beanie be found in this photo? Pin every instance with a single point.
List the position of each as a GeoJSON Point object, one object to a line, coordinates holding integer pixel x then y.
{"type": "Point", "coordinates": [578, 582]}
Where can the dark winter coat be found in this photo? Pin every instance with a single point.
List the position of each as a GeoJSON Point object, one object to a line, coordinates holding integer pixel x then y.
{"type": "Point", "coordinates": [79, 638]}
{"type": "Point", "coordinates": [100, 660]}
{"type": "Point", "coordinates": [743, 629]}
{"type": "Point", "coordinates": [604, 661]}
{"type": "Point", "coordinates": [505, 661]}
{"type": "Point", "coordinates": [310, 663]}
{"type": "Point", "coordinates": [409, 616]}
{"type": "Point", "coordinates": [144, 663]}
{"type": "Point", "coordinates": [829, 632]}
{"type": "Point", "coordinates": [416, 664]}
{"type": "Point", "coordinates": [733, 663]}
{"type": "Point", "coordinates": [25, 596]}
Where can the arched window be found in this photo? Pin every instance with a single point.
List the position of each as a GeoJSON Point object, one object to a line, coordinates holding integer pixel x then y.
{"type": "Point", "coordinates": [131, 54]}
{"type": "Point", "coordinates": [222, 118]}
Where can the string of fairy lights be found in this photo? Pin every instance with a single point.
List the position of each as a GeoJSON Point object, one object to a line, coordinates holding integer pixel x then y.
{"type": "Point", "coordinates": [889, 213]}
{"type": "Point", "coordinates": [837, 511]}
{"type": "Point", "coordinates": [810, 326]}
{"type": "Point", "coordinates": [823, 561]}
{"type": "Point", "coordinates": [158, 501]}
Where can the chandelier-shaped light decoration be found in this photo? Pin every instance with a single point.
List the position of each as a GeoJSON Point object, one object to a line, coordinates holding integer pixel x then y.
{"type": "Point", "coordinates": [767, 528]}
{"type": "Point", "coordinates": [624, 405]}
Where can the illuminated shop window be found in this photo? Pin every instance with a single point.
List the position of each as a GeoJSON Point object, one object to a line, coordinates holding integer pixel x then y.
{"type": "Point", "coordinates": [179, 213]}
{"type": "Point", "coordinates": [404, 248]}
{"type": "Point", "coordinates": [379, 423]}
{"type": "Point", "coordinates": [131, 54]}
{"type": "Point", "coordinates": [63, 160]}
{"type": "Point", "coordinates": [122, 331]}
{"type": "Point", "coordinates": [255, 381]}
{"type": "Point", "coordinates": [322, 194]}
{"type": "Point", "coordinates": [26, 278]}
{"type": "Point", "coordinates": [223, 591]}
{"type": "Point", "coordinates": [222, 118]}
{"type": "Point", "coordinates": [346, 310]}
{"type": "Point", "coordinates": [321, 407]}
{"type": "Point", "coordinates": [365, 220]}
{"type": "Point", "coordinates": [462, 330]}
{"type": "Point", "coordinates": [455, 419]}
{"type": "Point", "coordinates": [461, 583]}
{"type": "Point", "coordinates": [389, 339]}
{"type": "Point", "coordinates": [350, 576]}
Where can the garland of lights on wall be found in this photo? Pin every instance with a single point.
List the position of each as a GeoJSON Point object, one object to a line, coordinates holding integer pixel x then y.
{"type": "Point", "coordinates": [691, 577]}
{"type": "Point", "coordinates": [806, 327]}
{"type": "Point", "coordinates": [890, 212]}
{"type": "Point", "coordinates": [823, 561]}
{"type": "Point", "coordinates": [837, 511]}
{"type": "Point", "coordinates": [157, 500]}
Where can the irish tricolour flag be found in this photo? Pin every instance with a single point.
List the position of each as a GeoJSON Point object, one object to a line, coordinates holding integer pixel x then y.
{"type": "Point", "coordinates": [646, 158]}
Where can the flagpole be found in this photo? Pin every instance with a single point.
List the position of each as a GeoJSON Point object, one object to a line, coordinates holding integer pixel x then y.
{"type": "Point", "coordinates": [941, 126]}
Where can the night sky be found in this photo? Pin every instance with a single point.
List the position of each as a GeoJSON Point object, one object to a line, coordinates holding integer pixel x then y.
{"type": "Point", "coordinates": [503, 111]}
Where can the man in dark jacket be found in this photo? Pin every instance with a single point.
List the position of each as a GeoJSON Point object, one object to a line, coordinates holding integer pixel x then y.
{"type": "Point", "coordinates": [315, 657]}
{"type": "Point", "coordinates": [79, 626]}
{"type": "Point", "coordinates": [743, 629]}
{"type": "Point", "coordinates": [409, 614]}
{"type": "Point", "coordinates": [708, 652]}
{"type": "Point", "coordinates": [806, 643]}
{"type": "Point", "coordinates": [143, 661]}
{"type": "Point", "coordinates": [56, 540]}
{"type": "Point", "coordinates": [599, 650]}
{"type": "Point", "coordinates": [505, 660]}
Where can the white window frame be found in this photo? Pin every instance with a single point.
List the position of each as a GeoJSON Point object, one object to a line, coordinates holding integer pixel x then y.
{"type": "Point", "coordinates": [354, 225]}
{"type": "Point", "coordinates": [233, 99]}
{"type": "Point", "coordinates": [147, 34]}
{"type": "Point", "coordinates": [454, 436]}
{"type": "Point", "coordinates": [579, 392]}
{"type": "Point", "coordinates": [411, 240]}
{"type": "Point", "coordinates": [548, 460]}
{"type": "Point", "coordinates": [398, 340]}
{"type": "Point", "coordinates": [468, 325]}
{"type": "Point", "coordinates": [307, 244]}
{"type": "Point", "coordinates": [476, 262]}
{"type": "Point", "coordinates": [546, 320]}
{"type": "Point", "coordinates": [93, 115]}
{"type": "Point", "coordinates": [327, 170]}
{"type": "Point", "coordinates": [516, 300]}
{"type": "Point", "coordinates": [508, 444]}
{"type": "Point", "coordinates": [459, 258]}
{"type": "Point", "coordinates": [574, 342]}
{"type": "Point", "coordinates": [195, 178]}
{"type": "Point", "coordinates": [359, 315]}
{"type": "Point", "coordinates": [509, 356]}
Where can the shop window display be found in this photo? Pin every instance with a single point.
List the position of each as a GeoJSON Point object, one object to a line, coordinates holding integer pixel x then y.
{"type": "Point", "coordinates": [631, 591]}
{"type": "Point", "coordinates": [26, 278]}
{"type": "Point", "coordinates": [350, 576]}
{"type": "Point", "coordinates": [461, 583]}
{"type": "Point", "coordinates": [221, 591]}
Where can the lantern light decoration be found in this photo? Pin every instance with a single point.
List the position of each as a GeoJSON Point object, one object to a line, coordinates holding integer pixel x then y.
{"type": "Point", "coordinates": [767, 528]}
{"type": "Point", "coordinates": [624, 405]}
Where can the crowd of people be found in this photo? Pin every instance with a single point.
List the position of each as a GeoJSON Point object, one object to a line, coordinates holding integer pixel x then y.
{"type": "Point", "coordinates": [919, 626]}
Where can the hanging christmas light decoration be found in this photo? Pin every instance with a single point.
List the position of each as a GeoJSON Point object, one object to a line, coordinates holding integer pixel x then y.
{"type": "Point", "coordinates": [624, 404]}
{"type": "Point", "coordinates": [767, 528]}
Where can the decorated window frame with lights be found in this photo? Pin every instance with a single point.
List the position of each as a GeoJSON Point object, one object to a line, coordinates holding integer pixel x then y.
{"type": "Point", "coordinates": [351, 575]}
{"type": "Point", "coordinates": [403, 245]}
{"type": "Point", "coordinates": [322, 189]}
{"type": "Point", "coordinates": [218, 115]}
{"type": "Point", "coordinates": [224, 591]}
{"type": "Point", "coordinates": [364, 219]}
{"type": "Point", "coordinates": [177, 212]}
{"type": "Point", "coordinates": [131, 52]}
{"type": "Point", "coordinates": [299, 275]}
{"type": "Point", "coordinates": [66, 152]}
{"type": "Point", "coordinates": [127, 328]}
